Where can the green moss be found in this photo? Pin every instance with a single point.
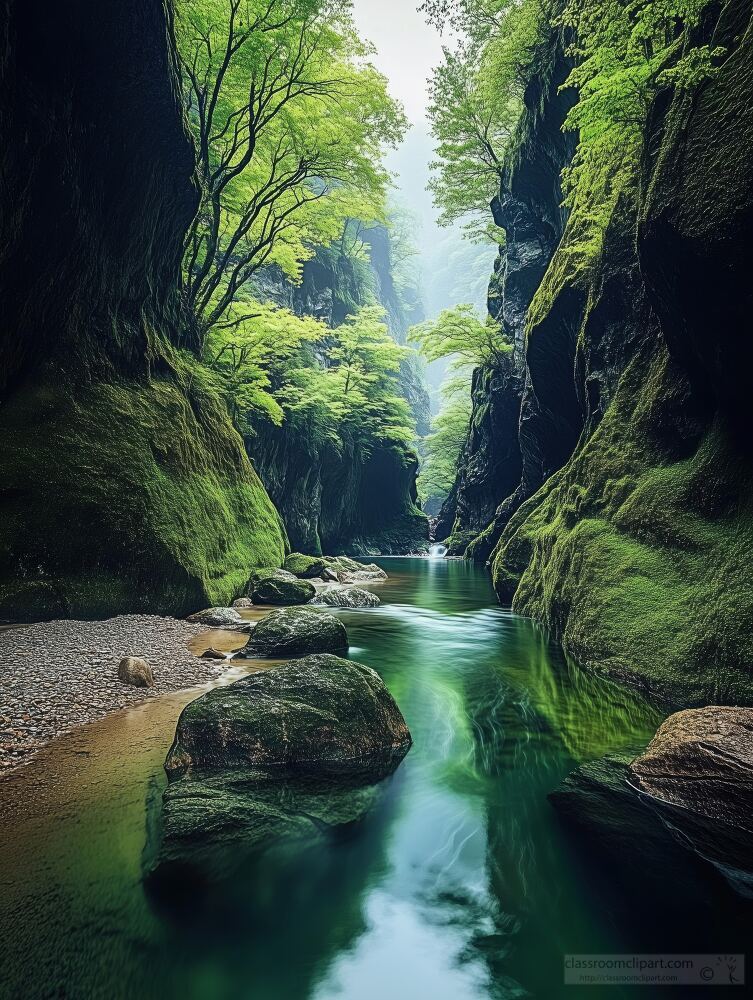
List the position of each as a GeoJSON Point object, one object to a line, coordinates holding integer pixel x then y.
{"type": "Point", "coordinates": [637, 552]}
{"type": "Point", "coordinates": [126, 496]}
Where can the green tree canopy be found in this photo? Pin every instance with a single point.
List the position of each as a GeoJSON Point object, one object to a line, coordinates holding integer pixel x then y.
{"type": "Point", "coordinates": [460, 335]}
{"type": "Point", "coordinates": [290, 121]}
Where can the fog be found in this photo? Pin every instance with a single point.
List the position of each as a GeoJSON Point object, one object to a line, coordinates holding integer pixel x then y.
{"type": "Point", "coordinates": [452, 270]}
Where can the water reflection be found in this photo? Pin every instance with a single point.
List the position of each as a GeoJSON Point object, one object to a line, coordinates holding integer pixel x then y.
{"type": "Point", "coordinates": [461, 884]}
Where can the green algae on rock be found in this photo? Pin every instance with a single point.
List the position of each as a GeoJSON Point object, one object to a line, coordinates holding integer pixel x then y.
{"type": "Point", "coordinates": [303, 566]}
{"type": "Point", "coordinates": [280, 587]}
{"type": "Point", "coordinates": [293, 631]}
{"type": "Point", "coordinates": [292, 752]}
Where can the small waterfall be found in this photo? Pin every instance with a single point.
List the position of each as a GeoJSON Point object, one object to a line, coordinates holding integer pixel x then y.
{"type": "Point", "coordinates": [437, 551]}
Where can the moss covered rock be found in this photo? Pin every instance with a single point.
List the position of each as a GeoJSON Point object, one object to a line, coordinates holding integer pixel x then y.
{"type": "Point", "coordinates": [347, 597]}
{"type": "Point", "coordinates": [280, 587]}
{"type": "Point", "coordinates": [294, 752]}
{"type": "Point", "coordinates": [292, 631]}
{"type": "Point", "coordinates": [305, 567]}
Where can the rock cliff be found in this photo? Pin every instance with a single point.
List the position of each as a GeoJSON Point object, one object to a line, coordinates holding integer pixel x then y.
{"type": "Point", "coordinates": [630, 532]}
{"type": "Point", "coordinates": [124, 487]}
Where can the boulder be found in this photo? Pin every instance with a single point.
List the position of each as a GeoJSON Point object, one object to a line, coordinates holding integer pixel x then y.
{"type": "Point", "coordinates": [366, 575]}
{"type": "Point", "coordinates": [281, 587]}
{"type": "Point", "coordinates": [305, 567]}
{"type": "Point", "coordinates": [347, 597]}
{"type": "Point", "coordinates": [217, 617]}
{"type": "Point", "coordinates": [243, 602]}
{"type": "Point", "coordinates": [697, 772]}
{"type": "Point", "coordinates": [291, 752]}
{"type": "Point", "coordinates": [293, 631]}
{"type": "Point", "coordinates": [213, 654]}
{"type": "Point", "coordinates": [329, 575]}
{"type": "Point", "coordinates": [135, 671]}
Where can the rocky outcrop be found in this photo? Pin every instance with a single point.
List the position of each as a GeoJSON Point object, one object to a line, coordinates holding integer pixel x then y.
{"type": "Point", "coordinates": [698, 771]}
{"type": "Point", "coordinates": [124, 486]}
{"type": "Point", "coordinates": [290, 753]}
{"type": "Point", "coordinates": [690, 790]}
{"type": "Point", "coordinates": [517, 431]}
{"type": "Point", "coordinates": [295, 631]}
{"type": "Point", "coordinates": [627, 533]}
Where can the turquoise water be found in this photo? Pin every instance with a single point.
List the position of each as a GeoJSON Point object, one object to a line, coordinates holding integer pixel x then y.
{"type": "Point", "coordinates": [462, 885]}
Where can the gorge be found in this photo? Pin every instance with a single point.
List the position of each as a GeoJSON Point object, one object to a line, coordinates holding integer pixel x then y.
{"type": "Point", "coordinates": [440, 618]}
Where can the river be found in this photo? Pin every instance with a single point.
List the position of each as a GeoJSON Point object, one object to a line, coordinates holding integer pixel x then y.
{"type": "Point", "coordinates": [463, 885]}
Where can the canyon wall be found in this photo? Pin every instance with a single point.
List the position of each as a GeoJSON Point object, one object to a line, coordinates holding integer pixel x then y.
{"type": "Point", "coordinates": [630, 530]}
{"type": "Point", "coordinates": [123, 486]}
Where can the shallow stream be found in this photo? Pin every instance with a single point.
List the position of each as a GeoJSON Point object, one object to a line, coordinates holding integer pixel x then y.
{"type": "Point", "coordinates": [463, 885]}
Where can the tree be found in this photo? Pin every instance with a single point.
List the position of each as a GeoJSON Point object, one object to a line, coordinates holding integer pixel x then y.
{"type": "Point", "coordinates": [290, 120]}
{"type": "Point", "coordinates": [476, 99]}
{"type": "Point", "coordinates": [442, 448]}
{"type": "Point", "coordinates": [459, 334]}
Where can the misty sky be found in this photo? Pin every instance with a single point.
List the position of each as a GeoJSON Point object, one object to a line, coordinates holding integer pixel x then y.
{"type": "Point", "coordinates": [407, 50]}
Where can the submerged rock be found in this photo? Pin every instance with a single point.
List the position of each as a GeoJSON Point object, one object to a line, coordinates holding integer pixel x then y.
{"type": "Point", "coordinates": [280, 587]}
{"type": "Point", "coordinates": [305, 567]}
{"type": "Point", "coordinates": [135, 671]}
{"type": "Point", "coordinates": [217, 617]}
{"type": "Point", "coordinates": [293, 631]}
{"type": "Point", "coordinates": [292, 752]}
{"type": "Point", "coordinates": [347, 597]}
{"type": "Point", "coordinates": [698, 773]}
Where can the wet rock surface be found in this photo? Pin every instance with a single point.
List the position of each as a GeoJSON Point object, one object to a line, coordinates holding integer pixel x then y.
{"type": "Point", "coordinates": [347, 597]}
{"type": "Point", "coordinates": [280, 587]}
{"type": "Point", "coordinates": [294, 631]}
{"type": "Point", "coordinates": [698, 773]}
{"type": "Point", "coordinates": [292, 752]}
{"type": "Point", "coordinates": [61, 674]}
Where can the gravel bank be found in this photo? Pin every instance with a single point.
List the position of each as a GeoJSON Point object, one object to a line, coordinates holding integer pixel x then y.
{"type": "Point", "coordinates": [57, 675]}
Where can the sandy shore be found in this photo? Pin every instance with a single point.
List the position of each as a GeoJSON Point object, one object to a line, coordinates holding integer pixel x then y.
{"type": "Point", "coordinates": [58, 675]}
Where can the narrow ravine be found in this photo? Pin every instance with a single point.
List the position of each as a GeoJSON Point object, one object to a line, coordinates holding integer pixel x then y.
{"type": "Point", "coordinates": [462, 884]}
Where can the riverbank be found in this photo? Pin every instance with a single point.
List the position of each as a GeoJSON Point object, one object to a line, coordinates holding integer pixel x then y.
{"type": "Point", "coordinates": [57, 675]}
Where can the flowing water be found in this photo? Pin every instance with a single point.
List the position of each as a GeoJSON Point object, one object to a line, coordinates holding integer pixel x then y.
{"type": "Point", "coordinates": [462, 885]}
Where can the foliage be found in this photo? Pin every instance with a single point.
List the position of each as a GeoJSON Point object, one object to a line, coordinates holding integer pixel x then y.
{"type": "Point", "coordinates": [441, 449]}
{"type": "Point", "coordinates": [354, 395]}
{"type": "Point", "coordinates": [459, 334]}
{"type": "Point", "coordinates": [289, 119]}
{"type": "Point", "coordinates": [623, 53]}
{"type": "Point", "coordinates": [475, 103]}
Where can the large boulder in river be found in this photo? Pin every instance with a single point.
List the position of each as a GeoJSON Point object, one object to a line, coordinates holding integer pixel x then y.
{"type": "Point", "coordinates": [280, 587]}
{"type": "Point", "coordinates": [294, 631]}
{"type": "Point", "coordinates": [292, 752]}
{"type": "Point", "coordinates": [305, 567]}
{"type": "Point", "coordinates": [347, 597]}
{"type": "Point", "coordinates": [698, 773]}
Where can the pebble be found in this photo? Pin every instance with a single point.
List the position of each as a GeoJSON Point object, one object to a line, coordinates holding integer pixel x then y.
{"type": "Point", "coordinates": [57, 675]}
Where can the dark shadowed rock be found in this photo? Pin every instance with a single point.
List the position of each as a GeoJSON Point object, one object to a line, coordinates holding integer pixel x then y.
{"type": "Point", "coordinates": [292, 752]}
{"type": "Point", "coordinates": [305, 567]}
{"type": "Point", "coordinates": [280, 587]}
{"type": "Point", "coordinates": [213, 654]}
{"type": "Point", "coordinates": [347, 597]}
{"type": "Point", "coordinates": [698, 773]}
{"type": "Point", "coordinates": [135, 671]}
{"type": "Point", "coordinates": [293, 631]}
{"type": "Point", "coordinates": [217, 617]}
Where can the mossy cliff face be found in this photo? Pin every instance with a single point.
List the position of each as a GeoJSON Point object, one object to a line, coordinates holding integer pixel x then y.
{"type": "Point", "coordinates": [515, 438]}
{"type": "Point", "coordinates": [636, 552]}
{"type": "Point", "coordinates": [124, 486]}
